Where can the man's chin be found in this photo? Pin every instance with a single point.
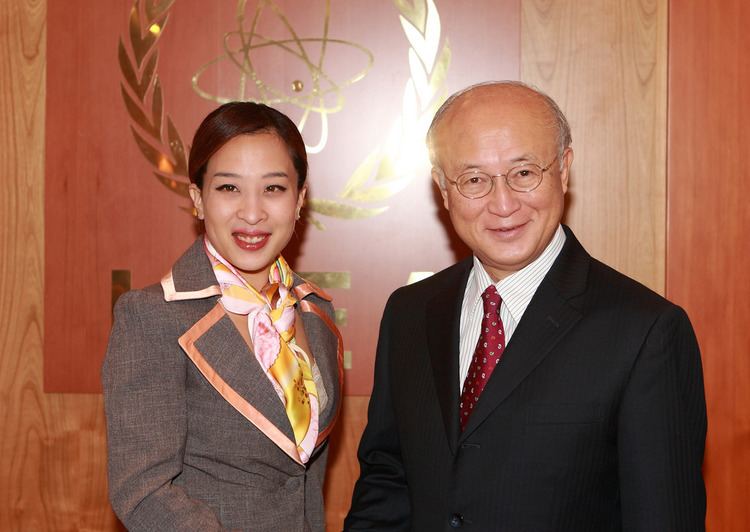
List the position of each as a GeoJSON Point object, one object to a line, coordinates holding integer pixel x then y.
{"type": "Point", "coordinates": [501, 267]}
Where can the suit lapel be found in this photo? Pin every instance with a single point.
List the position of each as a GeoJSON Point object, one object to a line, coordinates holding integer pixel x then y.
{"type": "Point", "coordinates": [443, 315]}
{"type": "Point", "coordinates": [224, 349]}
{"type": "Point", "coordinates": [548, 318]}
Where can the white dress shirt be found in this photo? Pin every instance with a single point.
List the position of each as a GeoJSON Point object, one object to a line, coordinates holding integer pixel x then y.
{"type": "Point", "coordinates": [516, 290]}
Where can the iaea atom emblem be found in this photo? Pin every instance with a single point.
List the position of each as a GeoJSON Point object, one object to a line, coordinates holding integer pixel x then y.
{"type": "Point", "coordinates": [384, 171]}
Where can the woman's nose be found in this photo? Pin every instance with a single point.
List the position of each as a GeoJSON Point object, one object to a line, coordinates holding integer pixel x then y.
{"type": "Point", "coordinates": [251, 208]}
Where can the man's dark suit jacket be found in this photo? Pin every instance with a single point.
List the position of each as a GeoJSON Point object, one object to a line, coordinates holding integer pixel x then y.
{"type": "Point", "coordinates": [595, 418]}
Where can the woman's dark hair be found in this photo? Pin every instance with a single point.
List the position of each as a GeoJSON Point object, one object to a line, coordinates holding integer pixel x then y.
{"type": "Point", "coordinates": [244, 118]}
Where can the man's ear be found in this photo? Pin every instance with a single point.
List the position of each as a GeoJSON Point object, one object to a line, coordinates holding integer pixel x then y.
{"type": "Point", "coordinates": [567, 162]}
{"type": "Point", "coordinates": [197, 197]}
{"type": "Point", "coordinates": [439, 178]}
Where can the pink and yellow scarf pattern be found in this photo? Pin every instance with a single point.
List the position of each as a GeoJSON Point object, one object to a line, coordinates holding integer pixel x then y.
{"type": "Point", "coordinates": [270, 320]}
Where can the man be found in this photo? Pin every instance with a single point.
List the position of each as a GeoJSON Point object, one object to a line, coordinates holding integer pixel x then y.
{"type": "Point", "coordinates": [579, 406]}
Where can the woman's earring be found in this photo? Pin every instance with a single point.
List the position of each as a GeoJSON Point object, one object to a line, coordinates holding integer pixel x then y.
{"type": "Point", "coordinates": [297, 216]}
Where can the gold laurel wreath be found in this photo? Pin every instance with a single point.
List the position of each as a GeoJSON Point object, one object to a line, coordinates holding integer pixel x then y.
{"type": "Point", "coordinates": [379, 176]}
{"type": "Point", "coordinates": [161, 146]}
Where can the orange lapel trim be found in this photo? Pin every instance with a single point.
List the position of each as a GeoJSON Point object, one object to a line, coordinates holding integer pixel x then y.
{"type": "Point", "coordinates": [307, 306]}
{"type": "Point", "coordinates": [187, 342]}
{"type": "Point", "coordinates": [171, 293]}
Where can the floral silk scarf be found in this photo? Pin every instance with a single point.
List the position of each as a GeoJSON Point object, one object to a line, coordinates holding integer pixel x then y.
{"type": "Point", "coordinates": [270, 321]}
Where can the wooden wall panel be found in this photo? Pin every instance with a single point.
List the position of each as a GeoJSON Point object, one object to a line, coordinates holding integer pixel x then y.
{"type": "Point", "coordinates": [604, 62]}
{"type": "Point", "coordinates": [52, 473]}
{"type": "Point", "coordinates": [343, 467]}
{"type": "Point", "coordinates": [708, 264]}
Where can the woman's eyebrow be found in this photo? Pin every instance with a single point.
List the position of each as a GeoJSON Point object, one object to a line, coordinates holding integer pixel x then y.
{"type": "Point", "coordinates": [238, 176]}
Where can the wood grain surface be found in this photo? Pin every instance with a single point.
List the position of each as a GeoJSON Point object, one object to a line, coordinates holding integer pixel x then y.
{"type": "Point", "coordinates": [604, 62]}
{"type": "Point", "coordinates": [708, 263]}
{"type": "Point", "coordinates": [52, 456]}
{"type": "Point", "coordinates": [343, 467]}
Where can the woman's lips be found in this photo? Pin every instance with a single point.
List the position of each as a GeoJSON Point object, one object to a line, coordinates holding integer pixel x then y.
{"type": "Point", "coordinates": [251, 241]}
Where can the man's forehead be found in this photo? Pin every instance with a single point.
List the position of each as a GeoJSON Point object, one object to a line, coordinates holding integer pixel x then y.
{"type": "Point", "coordinates": [498, 101]}
{"type": "Point", "coordinates": [491, 117]}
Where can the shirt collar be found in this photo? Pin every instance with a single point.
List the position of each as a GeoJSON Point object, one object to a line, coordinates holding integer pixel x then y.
{"type": "Point", "coordinates": [518, 288]}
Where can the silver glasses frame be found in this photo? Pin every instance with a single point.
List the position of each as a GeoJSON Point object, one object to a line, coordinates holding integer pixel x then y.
{"type": "Point", "coordinates": [505, 176]}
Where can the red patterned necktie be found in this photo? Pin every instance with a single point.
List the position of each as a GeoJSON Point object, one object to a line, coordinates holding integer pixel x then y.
{"type": "Point", "coordinates": [490, 347]}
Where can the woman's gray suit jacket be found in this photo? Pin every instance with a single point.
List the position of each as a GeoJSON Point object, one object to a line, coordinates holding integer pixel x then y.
{"type": "Point", "coordinates": [197, 437]}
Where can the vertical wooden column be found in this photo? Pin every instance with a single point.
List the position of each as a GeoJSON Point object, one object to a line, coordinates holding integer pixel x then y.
{"type": "Point", "coordinates": [23, 414]}
{"type": "Point", "coordinates": [52, 455]}
{"type": "Point", "coordinates": [604, 62]}
{"type": "Point", "coordinates": [708, 262]}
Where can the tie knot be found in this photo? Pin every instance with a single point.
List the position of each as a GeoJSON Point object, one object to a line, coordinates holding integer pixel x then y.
{"type": "Point", "coordinates": [491, 299]}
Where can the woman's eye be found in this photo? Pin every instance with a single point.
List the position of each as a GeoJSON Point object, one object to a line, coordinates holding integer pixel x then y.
{"type": "Point", "coordinates": [275, 188]}
{"type": "Point", "coordinates": [227, 187]}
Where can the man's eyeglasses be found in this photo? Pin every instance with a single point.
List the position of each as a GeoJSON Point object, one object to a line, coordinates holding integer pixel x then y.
{"type": "Point", "coordinates": [522, 178]}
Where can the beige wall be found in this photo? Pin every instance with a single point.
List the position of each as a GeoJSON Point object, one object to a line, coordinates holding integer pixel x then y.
{"type": "Point", "coordinates": [605, 62]}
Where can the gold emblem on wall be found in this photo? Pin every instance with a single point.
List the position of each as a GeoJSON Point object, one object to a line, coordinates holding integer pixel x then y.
{"type": "Point", "coordinates": [319, 94]}
{"type": "Point", "coordinates": [385, 170]}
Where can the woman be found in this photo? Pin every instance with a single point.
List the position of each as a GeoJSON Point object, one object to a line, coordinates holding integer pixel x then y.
{"type": "Point", "coordinates": [222, 383]}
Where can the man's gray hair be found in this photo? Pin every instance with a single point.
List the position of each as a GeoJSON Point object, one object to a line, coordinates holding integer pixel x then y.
{"type": "Point", "coordinates": [564, 138]}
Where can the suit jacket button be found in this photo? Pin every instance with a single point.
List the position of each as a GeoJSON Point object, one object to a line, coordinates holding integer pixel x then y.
{"type": "Point", "coordinates": [456, 521]}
